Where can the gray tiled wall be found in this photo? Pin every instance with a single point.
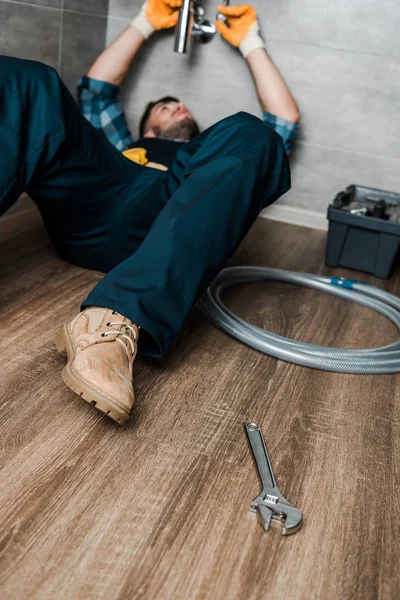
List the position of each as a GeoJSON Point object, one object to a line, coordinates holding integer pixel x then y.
{"type": "Point", "coordinates": [342, 61]}
{"type": "Point", "coordinates": [66, 34]}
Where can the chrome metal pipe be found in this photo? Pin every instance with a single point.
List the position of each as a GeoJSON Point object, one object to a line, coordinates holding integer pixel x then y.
{"type": "Point", "coordinates": [184, 28]}
{"type": "Point", "coordinates": [221, 17]}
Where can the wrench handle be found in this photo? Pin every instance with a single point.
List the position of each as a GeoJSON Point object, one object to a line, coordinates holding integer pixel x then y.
{"type": "Point", "coordinates": [260, 455]}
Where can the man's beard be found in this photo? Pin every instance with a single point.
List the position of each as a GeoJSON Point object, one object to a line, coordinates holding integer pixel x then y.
{"type": "Point", "coordinates": [186, 130]}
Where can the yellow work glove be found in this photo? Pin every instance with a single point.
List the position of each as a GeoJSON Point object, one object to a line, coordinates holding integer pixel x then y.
{"type": "Point", "coordinates": [137, 155]}
{"type": "Point", "coordinates": [242, 29]}
{"type": "Point", "coordinates": [157, 14]}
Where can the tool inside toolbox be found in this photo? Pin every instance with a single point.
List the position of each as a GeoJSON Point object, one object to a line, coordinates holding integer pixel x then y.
{"type": "Point", "coordinates": [354, 201]}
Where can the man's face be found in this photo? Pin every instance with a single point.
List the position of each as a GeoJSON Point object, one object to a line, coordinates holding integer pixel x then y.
{"type": "Point", "coordinates": [171, 120]}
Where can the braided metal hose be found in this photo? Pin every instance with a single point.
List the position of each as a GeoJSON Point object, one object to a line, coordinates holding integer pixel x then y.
{"type": "Point", "coordinates": [385, 359]}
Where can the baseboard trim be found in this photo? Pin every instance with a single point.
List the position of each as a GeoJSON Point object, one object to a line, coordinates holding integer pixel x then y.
{"type": "Point", "coordinates": [296, 216]}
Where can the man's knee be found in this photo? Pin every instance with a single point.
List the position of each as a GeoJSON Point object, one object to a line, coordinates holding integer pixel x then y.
{"type": "Point", "coordinates": [253, 132]}
{"type": "Point", "coordinates": [252, 135]}
{"type": "Point", "coordinates": [242, 135]}
{"type": "Point", "coordinates": [248, 124]}
{"type": "Point", "coordinates": [259, 145]}
{"type": "Point", "coordinates": [243, 118]}
{"type": "Point", "coordinates": [13, 69]}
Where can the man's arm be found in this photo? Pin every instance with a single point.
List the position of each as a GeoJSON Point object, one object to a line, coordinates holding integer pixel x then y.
{"type": "Point", "coordinates": [273, 93]}
{"type": "Point", "coordinates": [113, 63]}
{"type": "Point", "coordinates": [242, 31]}
{"type": "Point", "coordinates": [98, 90]}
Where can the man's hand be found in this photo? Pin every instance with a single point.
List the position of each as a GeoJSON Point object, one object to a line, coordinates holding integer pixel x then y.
{"type": "Point", "coordinates": [157, 14]}
{"type": "Point", "coordinates": [163, 14]}
{"type": "Point", "coordinates": [242, 28]}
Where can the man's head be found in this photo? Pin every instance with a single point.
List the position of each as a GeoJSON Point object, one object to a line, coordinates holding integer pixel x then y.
{"type": "Point", "coordinates": [169, 118]}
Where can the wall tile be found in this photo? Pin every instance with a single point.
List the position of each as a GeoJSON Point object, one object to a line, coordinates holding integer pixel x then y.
{"type": "Point", "coordinates": [29, 32]}
{"type": "Point", "coordinates": [99, 7]}
{"type": "Point", "coordinates": [319, 173]}
{"type": "Point", "coordinates": [52, 3]}
{"type": "Point", "coordinates": [348, 100]}
{"type": "Point", "coordinates": [126, 9]}
{"type": "Point", "coordinates": [83, 40]}
{"type": "Point", "coordinates": [362, 25]}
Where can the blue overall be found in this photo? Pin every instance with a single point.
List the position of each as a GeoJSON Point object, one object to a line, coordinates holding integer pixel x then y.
{"type": "Point", "coordinates": [161, 237]}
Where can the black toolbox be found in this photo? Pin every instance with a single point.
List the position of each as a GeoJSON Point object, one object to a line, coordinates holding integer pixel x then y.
{"type": "Point", "coordinates": [364, 230]}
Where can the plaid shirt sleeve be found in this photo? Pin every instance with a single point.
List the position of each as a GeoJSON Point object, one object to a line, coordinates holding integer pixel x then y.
{"type": "Point", "coordinates": [99, 105]}
{"type": "Point", "coordinates": [286, 129]}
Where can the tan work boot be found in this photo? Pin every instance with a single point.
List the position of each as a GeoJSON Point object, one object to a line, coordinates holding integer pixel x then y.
{"type": "Point", "coordinates": [101, 346]}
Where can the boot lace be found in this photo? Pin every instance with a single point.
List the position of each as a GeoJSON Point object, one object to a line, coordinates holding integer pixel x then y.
{"type": "Point", "coordinates": [120, 334]}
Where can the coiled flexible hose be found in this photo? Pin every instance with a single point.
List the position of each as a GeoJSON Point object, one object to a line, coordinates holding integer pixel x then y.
{"type": "Point", "coordinates": [385, 359]}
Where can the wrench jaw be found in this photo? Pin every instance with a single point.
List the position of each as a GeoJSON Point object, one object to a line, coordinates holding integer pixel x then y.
{"type": "Point", "coordinates": [293, 521]}
{"type": "Point", "coordinates": [264, 514]}
{"type": "Point", "coordinates": [270, 507]}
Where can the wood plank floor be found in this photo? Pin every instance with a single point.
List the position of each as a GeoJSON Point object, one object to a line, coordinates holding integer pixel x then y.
{"type": "Point", "coordinates": [160, 508]}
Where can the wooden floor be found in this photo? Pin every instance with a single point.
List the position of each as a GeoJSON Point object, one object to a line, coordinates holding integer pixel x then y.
{"type": "Point", "coordinates": [160, 508]}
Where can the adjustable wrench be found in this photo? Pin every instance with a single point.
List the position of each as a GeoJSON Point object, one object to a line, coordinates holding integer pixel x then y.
{"type": "Point", "coordinates": [270, 504]}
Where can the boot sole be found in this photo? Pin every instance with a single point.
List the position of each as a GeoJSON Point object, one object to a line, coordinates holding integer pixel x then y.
{"type": "Point", "coordinates": [81, 388]}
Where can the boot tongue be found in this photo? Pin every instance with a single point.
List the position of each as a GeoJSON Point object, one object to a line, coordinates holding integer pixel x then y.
{"type": "Point", "coordinates": [95, 316]}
